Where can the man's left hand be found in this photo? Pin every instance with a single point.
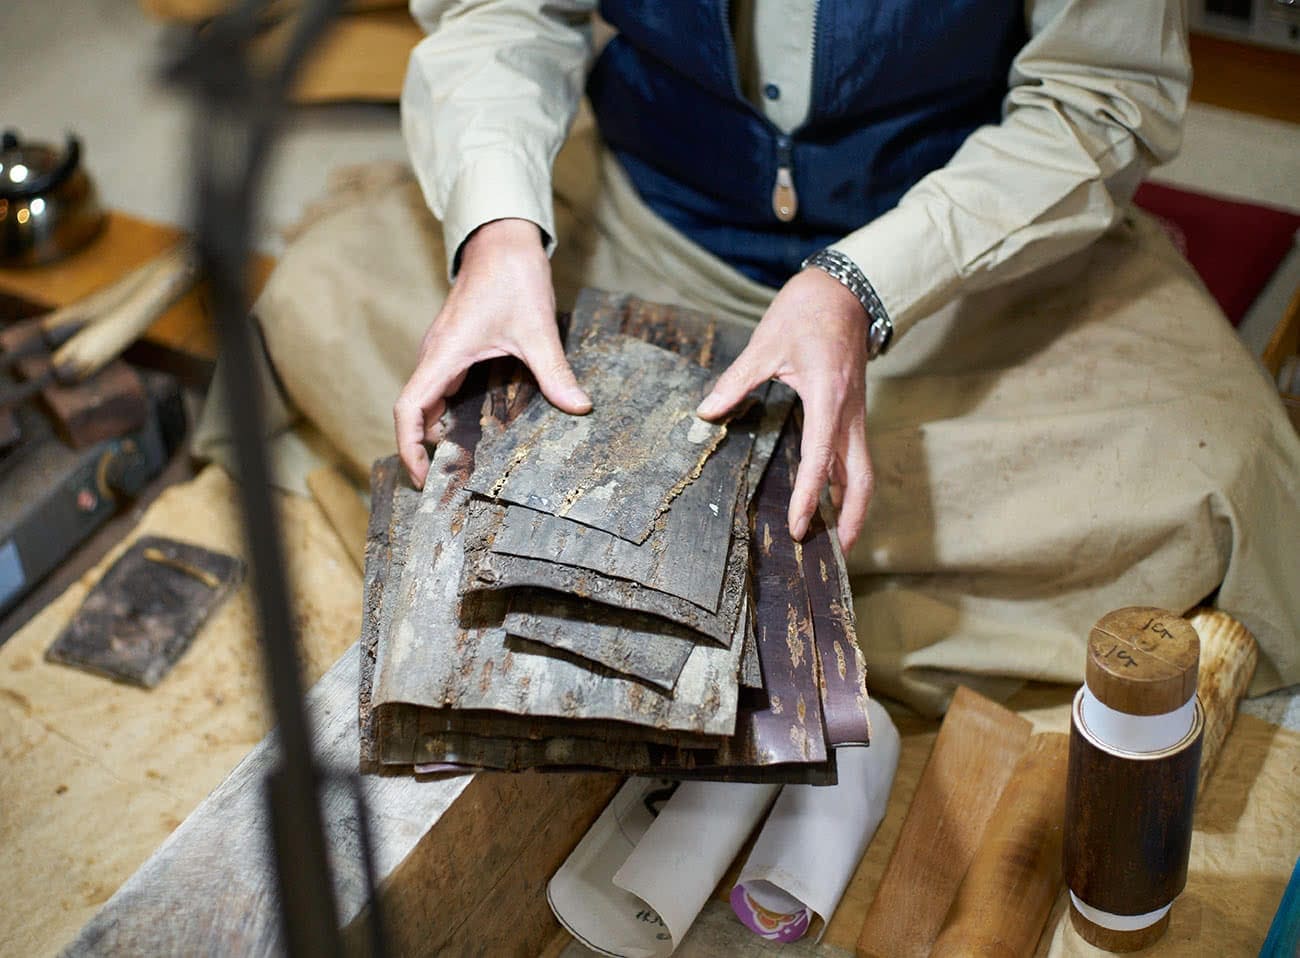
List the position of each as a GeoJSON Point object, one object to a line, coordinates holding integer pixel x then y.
{"type": "Point", "coordinates": [813, 339]}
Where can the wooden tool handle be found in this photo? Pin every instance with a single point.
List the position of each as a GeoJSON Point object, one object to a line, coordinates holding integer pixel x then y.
{"type": "Point", "coordinates": [101, 300]}
{"type": "Point", "coordinates": [105, 336]}
{"type": "Point", "coordinates": [1228, 658]}
{"type": "Point", "coordinates": [1015, 877]}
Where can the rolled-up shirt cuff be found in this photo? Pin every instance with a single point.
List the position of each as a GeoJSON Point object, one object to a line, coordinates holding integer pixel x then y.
{"type": "Point", "coordinates": [903, 255]}
{"type": "Point", "coordinates": [496, 185]}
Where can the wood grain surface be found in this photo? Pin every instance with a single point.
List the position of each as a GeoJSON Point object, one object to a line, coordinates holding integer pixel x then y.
{"type": "Point", "coordinates": [1228, 658]}
{"type": "Point", "coordinates": [451, 846]}
{"type": "Point", "coordinates": [1014, 879]}
{"type": "Point", "coordinates": [1142, 660]}
{"type": "Point", "coordinates": [1128, 824]}
{"type": "Point", "coordinates": [974, 755]}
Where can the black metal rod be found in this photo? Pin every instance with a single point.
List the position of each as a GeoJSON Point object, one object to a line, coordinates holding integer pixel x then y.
{"type": "Point", "coordinates": [235, 126]}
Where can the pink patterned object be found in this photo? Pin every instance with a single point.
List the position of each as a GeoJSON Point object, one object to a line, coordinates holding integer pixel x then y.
{"type": "Point", "coordinates": [766, 923]}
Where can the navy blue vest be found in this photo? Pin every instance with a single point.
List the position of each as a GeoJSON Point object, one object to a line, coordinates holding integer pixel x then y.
{"type": "Point", "coordinates": [897, 86]}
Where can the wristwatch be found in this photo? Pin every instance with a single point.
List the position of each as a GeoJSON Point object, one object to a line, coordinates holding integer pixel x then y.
{"type": "Point", "coordinates": [839, 266]}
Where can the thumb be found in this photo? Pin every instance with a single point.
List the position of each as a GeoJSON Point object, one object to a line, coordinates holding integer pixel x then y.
{"type": "Point", "coordinates": [748, 371]}
{"type": "Point", "coordinates": [554, 375]}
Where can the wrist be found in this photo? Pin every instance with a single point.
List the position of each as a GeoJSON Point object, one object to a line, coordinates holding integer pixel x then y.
{"type": "Point", "coordinates": [879, 328]}
{"type": "Point", "coordinates": [503, 237]}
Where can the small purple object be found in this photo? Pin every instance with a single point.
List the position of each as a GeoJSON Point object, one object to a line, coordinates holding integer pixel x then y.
{"type": "Point", "coordinates": [766, 923]}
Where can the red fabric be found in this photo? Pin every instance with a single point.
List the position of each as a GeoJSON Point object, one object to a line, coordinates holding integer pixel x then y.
{"type": "Point", "coordinates": [1234, 246]}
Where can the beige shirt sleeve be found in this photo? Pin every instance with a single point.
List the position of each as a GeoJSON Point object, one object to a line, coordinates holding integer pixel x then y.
{"type": "Point", "coordinates": [488, 100]}
{"type": "Point", "coordinates": [1097, 98]}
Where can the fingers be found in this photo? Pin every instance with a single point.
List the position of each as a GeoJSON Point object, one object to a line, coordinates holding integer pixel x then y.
{"type": "Point", "coordinates": [417, 412]}
{"type": "Point", "coordinates": [858, 485]}
{"type": "Point", "coordinates": [820, 425]}
{"type": "Point", "coordinates": [544, 356]}
{"type": "Point", "coordinates": [748, 371]}
{"type": "Point", "coordinates": [408, 424]}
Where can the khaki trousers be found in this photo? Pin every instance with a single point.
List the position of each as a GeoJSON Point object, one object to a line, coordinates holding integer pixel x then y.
{"type": "Point", "coordinates": [1093, 437]}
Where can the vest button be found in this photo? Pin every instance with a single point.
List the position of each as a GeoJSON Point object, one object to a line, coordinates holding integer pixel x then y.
{"type": "Point", "coordinates": [772, 91]}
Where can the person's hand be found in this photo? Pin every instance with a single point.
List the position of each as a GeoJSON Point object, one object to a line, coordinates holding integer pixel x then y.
{"type": "Point", "coordinates": [813, 339]}
{"type": "Point", "coordinates": [502, 303]}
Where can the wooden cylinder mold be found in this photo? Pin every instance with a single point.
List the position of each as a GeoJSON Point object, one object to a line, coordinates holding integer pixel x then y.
{"type": "Point", "coordinates": [1135, 745]}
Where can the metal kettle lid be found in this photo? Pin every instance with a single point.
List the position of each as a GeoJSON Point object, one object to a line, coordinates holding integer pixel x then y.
{"type": "Point", "coordinates": [31, 169]}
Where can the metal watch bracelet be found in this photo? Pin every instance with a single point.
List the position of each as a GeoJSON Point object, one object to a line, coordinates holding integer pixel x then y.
{"type": "Point", "coordinates": [840, 267]}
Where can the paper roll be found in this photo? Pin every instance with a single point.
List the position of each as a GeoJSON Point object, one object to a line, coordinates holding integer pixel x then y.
{"type": "Point", "coordinates": [814, 838]}
{"type": "Point", "coordinates": [637, 880]}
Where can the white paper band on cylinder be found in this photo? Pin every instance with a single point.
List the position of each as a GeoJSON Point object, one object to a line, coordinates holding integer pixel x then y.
{"type": "Point", "coordinates": [1136, 733]}
{"type": "Point", "coordinates": [1118, 922]}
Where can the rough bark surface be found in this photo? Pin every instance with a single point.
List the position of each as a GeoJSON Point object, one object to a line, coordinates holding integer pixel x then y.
{"type": "Point", "coordinates": [618, 467]}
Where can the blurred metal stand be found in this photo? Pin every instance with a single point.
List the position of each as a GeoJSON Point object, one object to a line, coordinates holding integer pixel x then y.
{"type": "Point", "coordinates": [239, 108]}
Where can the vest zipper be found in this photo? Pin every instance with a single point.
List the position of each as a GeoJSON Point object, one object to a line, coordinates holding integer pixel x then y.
{"type": "Point", "coordinates": [785, 201]}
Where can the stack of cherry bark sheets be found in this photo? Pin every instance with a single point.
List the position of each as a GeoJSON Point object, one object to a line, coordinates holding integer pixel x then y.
{"type": "Point", "coordinates": [614, 591]}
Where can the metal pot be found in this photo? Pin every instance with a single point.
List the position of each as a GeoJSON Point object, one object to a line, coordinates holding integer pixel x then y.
{"type": "Point", "coordinates": [48, 204]}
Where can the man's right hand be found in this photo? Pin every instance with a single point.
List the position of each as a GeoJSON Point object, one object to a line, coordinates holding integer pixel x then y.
{"type": "Point", "coordinates": [502, 304]}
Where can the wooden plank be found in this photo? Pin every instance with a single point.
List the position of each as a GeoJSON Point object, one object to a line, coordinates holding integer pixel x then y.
{"type": "Point", "coordinates": [618, 467]}
{"type": "Point", "coordinates": [1015, 877]}
{"type": "Point", "coordinates": [443, 850]}
{"type": "Point", "coordinates": [974, 754]}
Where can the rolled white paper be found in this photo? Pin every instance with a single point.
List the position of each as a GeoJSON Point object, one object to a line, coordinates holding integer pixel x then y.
{"type": "Point", "coordinates": [689, 847]}
{"type": "Point", "coordinates": [814, 837]}
{"type": "Point", "coordinates": [635, 883]}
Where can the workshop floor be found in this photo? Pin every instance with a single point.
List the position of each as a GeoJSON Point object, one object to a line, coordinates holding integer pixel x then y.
{"type": "Point", "coordinates": [91, 66]}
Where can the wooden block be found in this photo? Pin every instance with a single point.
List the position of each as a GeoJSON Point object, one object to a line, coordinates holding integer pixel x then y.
{"type": "Point", "coordinates": [109, 404]}
{"type": "Point", "coordinates": [443, 849]}
{"type": "Point", "coordinates": [974, 755]}
{"type": "Point", "coordinates": [1015, 877]}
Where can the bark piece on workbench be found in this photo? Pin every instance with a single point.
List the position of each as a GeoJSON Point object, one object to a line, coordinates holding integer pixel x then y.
{"type": "Point", "coordinates": [843, 672]}
{"type": "Point", "coordinates": [647, 647]}
{"type": "Point", "coordinates": [392, 503]}
{"type": "Point", "coordinates": [140, 618]}
{"type": "Point", "coordinates": [634, 644]}
{"type": "Point", "coordinates": [442, 651]}
{"type": "Point", "coordinates": [486, 571]}
{"type": "Point", "coordinates": [789, 729]}
{"type": "Point", "coordinates": [618, 467]}
{"type": "Point", "coordinates": [686, 556]}
{"type": "Point", "coordinates": [469, 751]}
